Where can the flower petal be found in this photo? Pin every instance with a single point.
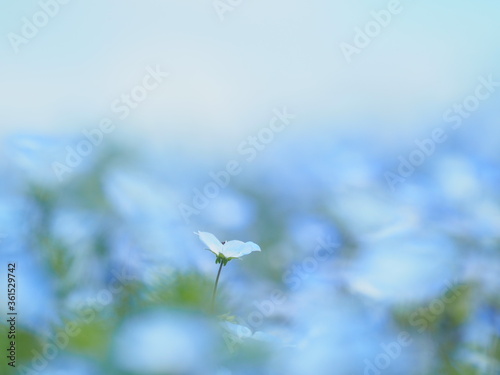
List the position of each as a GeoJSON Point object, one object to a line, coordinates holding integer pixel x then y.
{"type": "Point", "coordinates": [236, 249]}
{"type": "Point", "coordinates": [214, 245]}
{"type": "Point", "coordinates": [232, 249]}
{"type": "Point", "coordinates": [250, 247]}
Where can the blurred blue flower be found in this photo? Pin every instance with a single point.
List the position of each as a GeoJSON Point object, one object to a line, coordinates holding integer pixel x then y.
{"type": "Point", "coordinates": [408, 267]}
{"type": "Point", "coordinates": [161, 342]}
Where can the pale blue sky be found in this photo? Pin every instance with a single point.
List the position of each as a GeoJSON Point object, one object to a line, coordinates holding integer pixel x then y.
{"type": "Point", "coordinates": [226, 77]}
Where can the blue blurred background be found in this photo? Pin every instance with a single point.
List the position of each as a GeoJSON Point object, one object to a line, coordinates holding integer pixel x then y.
{"type": "Point", "coordinates": [369, 181]}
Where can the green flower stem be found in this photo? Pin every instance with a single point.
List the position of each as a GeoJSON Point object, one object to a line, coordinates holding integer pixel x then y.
{"type": "Point", "coordinates": [215, 286]}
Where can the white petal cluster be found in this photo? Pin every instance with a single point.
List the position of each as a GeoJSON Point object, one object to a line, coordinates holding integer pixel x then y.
{"type": "Point", "coordinates": [230, 249]}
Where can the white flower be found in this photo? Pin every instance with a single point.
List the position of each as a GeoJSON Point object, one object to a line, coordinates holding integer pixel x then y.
{"type": "Point", "coordinates": [225, 251]}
